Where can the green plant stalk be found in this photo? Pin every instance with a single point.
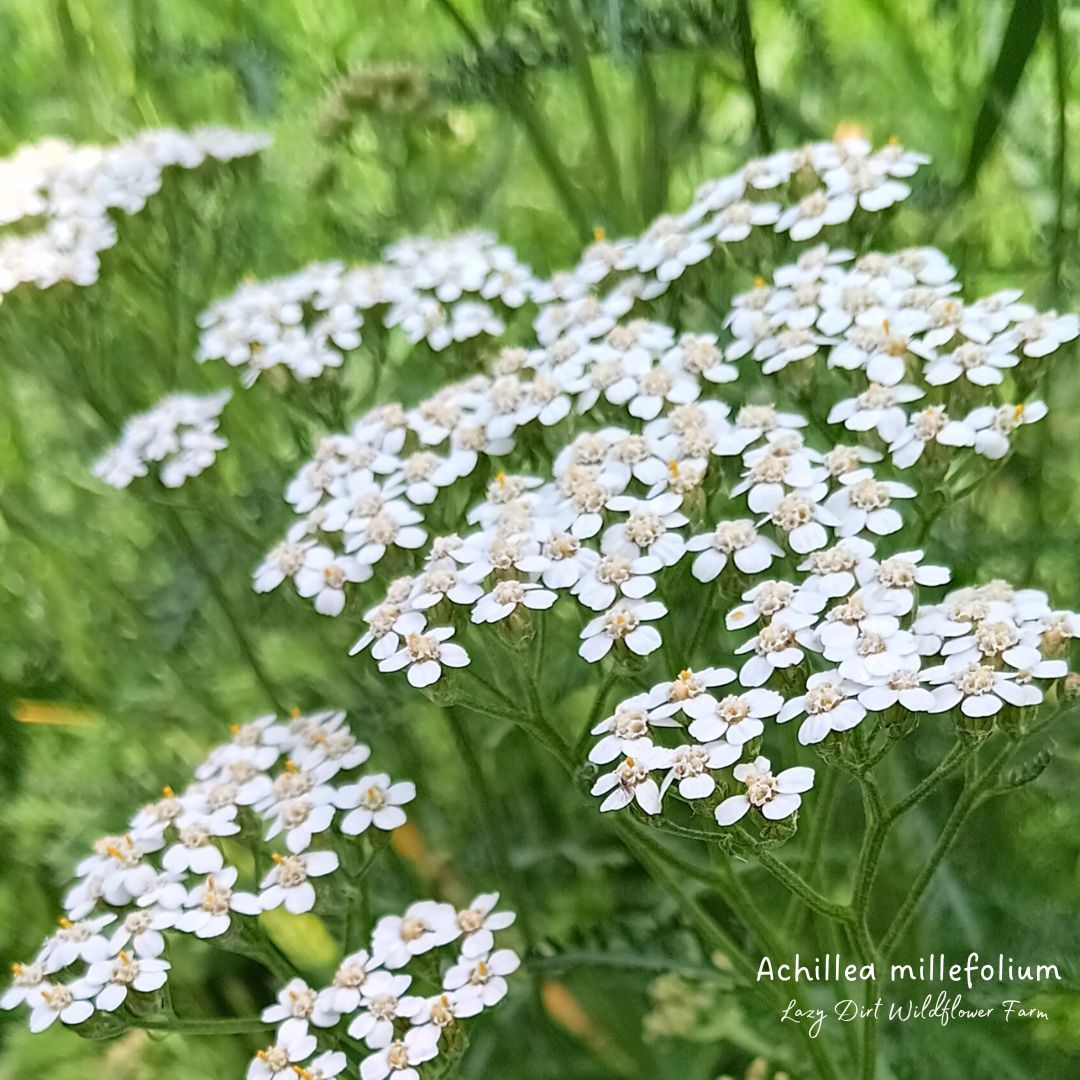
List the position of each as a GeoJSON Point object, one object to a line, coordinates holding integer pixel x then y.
{"type": "Point", "coordinates": [579, 56]}
{"type": "Point", "coordinates": [975, 792]}
{"type": "Point", "coordinates": [213, 583]}
{"type": "Point", "coordinates": [748, 54]}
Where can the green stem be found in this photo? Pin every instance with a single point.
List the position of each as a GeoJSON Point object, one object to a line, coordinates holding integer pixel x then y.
{"type": "Point", "coordinates": [518, 101]}
{"type": "Point", "coordinates": [819, 830]}
{"type": "Point", "coordinates": [948, 765]}
{"type": "Point", "coordinates": [748, 53]}
{"type": "Point", "coordinates": [1061, 144]}
{"type": "Point", "coordinates": [974, 793]}
{"type": "Point", "coordinates": [194, 553]}
{"type": "Point", "coordinates": [196, 1026]}
{"type": "Point", "coordinates": [579, 56]}
{"type": "Point", "coordinates": [799, 887]}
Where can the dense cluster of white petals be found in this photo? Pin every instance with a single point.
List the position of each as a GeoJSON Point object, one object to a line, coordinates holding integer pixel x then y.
{"type": "Point", "coordinates": [68, 192]}
{"type": "Point", "coordinates": [612, 457]}
{"type": "Point", "coordinates": [370, 999]}
{"type": "Point", "coordinates": [292, 791]}
{"type": "Point", "coordinates": [179, 436]}
{"type": "Point", "coordinates": [440, 292]}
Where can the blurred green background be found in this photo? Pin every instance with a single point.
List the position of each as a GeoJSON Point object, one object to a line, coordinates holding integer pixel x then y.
{"type": "Point", "coordinates": [123, 649]}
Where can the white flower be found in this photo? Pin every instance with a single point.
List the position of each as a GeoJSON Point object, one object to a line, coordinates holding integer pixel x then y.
{"type": "Point", "coordinates": [1029, 664]}
{"type": "Point", "coordinates": [326, 1066]}
{"type": "Point", "coordinates": [303, 818]}
{"type": "Point", "coordinates": [778, 602]}
{"type": "Point", "coordinates": [383, 1000]}
{"type": "Point", "coordinates": [876, 409]}
{"type": "Point", "coordinates": [898, 577]}
{"type": "Point", "coordinates": [441, 581]}
{"type": "Point", "coordinates": [691, 765]}
{"type": "Point", "coordinates": [210, 904]}
{"type": "Point", "coordinates": [870, 650]}
{"type": "Point", "coordinates": [324, 576]}
{"type": "Point", "coordinates": [51, 1001]}
{"type": "Point", "coordinates": [485, 973]}
{"type": "Point", "coordinates": [735, 717]}
{"type": "Point", "coordinates": [26, 981]}
{"type": "Point", "coordinates": [624, 730]}
{"type": "Point", "coordinates": [479, 921]}
{"type": "Point", "coordinates": [863, 503]}
{"type": "Point", "coordinates": [604, 578]}
{"type": "Point", "coordinates": [288, 884]}
{"type": "Point", "coordinates": [930, 425]}
{"type": "Point", "coordinates": [978, 689]}
{"type": "Point", "coordinates": [507, 596]}
{"type": "Point", "coordinates": [773, 647]}
{"type": "Point", "coordinates": [426, 925]}
{"type": "Point", "coordinates": [296, 1000]}
{"type": "Point", "coordinates": [699, 354]}
{"type": "Point", "coordinates": [776, 797]}
{"type": "Point", "coordinates": [821, 208]}
{"type": "Point", "coordinates": [980, 364]}
{"type": "Point", "coordinates": [196, 850]}
{"type": "Point", "coordinates": [80, 940]}
{"type": "Point", "coordinates": [903, 687]}
{"type": "Point", "coordinates": [832, 571]}
{"type": "Point", "coordinates": [112, 979]}
{"type": "Point", "coordinates": [400, 1058]}
{"type": "Point", "coordinates": [342, 997]}
{"type": "Point", "coordinates": [687, 693]}
{"type": "Point", "coordinates": [738, 540]}
{"type": "Point", "coordinates": [374, 800]}
{"type": "Point", "coordinates": [284, 561]}
{"type": "Point", "coordinates": [632, 780]}
{"type": "Point", "coordinates": [1043, 334]}
{"type": "Point", "coordinates": [771, 470]}
{"type": "Point", "coordinates": [142, 930]}
{"type": "Point", "coordinates": [443, 1010]}
{"type": "Point", "coordinates": [989, 428]}
{"type": "Point", "coordinates": [293, 1044]}
{"type": "Point", "coordinates": [424, 651]}
{"type": "Point", "coordinates": [801, 517]}
{"type": "Point", "coordinates": [623, 622]}
{"type": "Point", "coordinates": [829, 703]}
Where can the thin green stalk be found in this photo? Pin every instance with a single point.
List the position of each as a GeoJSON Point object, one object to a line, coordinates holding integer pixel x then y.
{"type": "Point", "coordinates": [595, 712]}
{"type": "Point", "coordinates": [517, 100]}
{"type": "Point", "coordinates": [799, 887]}
{"type": "Point", "coordinates": [974, 793]}
{"type": "Point", "coordinates": [955, 757]}
{"type": "Point", "coordinates": [748, 53]}
{"type": "Point", "coordinates": [1061, 144]}
{"type": "Point", "coordinates": [654, 167]}
{"type": "Point", "coordinates": [579, 57]}
{"type": "Point", "coordinates": [710, 929]}
{"type": "Point", "coordinates": [187, 542]}
{"type": "Point", "coordinates": [196, 1026]}
{"type": "Point", "coordinates": [826, 796]}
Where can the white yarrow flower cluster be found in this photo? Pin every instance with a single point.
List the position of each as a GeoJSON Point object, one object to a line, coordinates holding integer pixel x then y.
{"type": "Point", "coordinates": [179, 437]}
